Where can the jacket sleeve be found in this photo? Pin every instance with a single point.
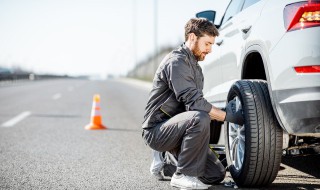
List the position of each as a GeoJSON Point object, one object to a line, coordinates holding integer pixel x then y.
{"type": "Point", "coordinates": [182, 82]}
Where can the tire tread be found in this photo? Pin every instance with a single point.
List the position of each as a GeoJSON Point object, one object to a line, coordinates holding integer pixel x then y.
{"type": "Point", "coordinates": [263, 145]}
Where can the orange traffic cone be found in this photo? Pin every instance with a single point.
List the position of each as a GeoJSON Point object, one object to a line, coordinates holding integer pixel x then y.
{"type": "Point", "coordinates": [96, 119]}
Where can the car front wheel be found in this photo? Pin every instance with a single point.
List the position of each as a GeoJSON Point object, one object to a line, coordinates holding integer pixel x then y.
{"type": "Point", "coordinates": [254, 149]}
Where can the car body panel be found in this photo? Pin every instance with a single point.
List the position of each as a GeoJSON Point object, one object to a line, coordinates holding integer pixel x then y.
{"type": "Point", "coordinates": [295, 97]}
{"type": "Point", "coordinates": [217, 86]}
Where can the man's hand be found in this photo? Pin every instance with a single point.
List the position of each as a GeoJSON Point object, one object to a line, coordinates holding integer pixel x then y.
{"type": "Point", "coordinates": [217, 114]}
{"type": "Point", "coordinates": [232, 115]}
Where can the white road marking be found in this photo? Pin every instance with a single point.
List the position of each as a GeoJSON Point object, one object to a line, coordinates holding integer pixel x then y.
{"type": "Point", "coordinates": [16, 119]}
{"type": "Point", "coordinates": [56, 96]}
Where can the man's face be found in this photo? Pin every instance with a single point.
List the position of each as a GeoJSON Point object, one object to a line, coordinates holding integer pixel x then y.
{"type": "Point", "coordinates": [202, 46]}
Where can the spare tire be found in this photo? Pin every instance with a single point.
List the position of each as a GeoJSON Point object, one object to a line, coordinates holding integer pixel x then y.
{"type": "Point", "coordinates": [254, 149]}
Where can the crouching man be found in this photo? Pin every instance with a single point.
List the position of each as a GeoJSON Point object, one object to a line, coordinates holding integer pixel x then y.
{"type": "Point", "coordinates": [177, 116]}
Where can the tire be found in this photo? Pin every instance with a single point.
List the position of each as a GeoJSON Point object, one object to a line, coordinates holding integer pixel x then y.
{"type": "Point", "coordinates": [253, 150]}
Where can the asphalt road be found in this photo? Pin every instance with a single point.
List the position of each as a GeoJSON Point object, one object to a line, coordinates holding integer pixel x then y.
{"type": "Point", "coordinates": [43, 143]}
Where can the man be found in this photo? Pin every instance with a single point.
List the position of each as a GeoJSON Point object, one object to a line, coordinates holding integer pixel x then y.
{"type": "Point", "coordinates": [177, 116]}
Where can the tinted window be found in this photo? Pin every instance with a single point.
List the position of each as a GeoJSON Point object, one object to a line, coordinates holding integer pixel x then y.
{"type": "Point", "coordinates": [233, 8]}
{"type": "Point", "coordinates": [248, 3]}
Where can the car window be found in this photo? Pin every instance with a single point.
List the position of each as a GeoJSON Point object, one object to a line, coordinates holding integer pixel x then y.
{"type": "Point", "coordinates": [248, 3]}
{"type": "Point", "coordinates": [233, 8]}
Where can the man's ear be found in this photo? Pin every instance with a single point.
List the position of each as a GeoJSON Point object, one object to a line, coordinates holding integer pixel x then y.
{"type": "Point", "coordinates": [192, 37]}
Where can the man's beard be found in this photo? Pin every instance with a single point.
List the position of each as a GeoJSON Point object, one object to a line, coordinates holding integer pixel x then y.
{"type": "Point", "coordinates": [198, 53]}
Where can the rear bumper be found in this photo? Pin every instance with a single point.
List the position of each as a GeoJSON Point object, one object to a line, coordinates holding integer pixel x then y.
{"type": "Point", "coordinates": [299, 110]}
{"type": "Point", "coordinates": [295, 49]}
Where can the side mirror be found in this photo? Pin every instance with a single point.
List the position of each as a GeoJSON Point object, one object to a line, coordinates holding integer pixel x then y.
{"type": "Point", "coordinates": [210, 15]}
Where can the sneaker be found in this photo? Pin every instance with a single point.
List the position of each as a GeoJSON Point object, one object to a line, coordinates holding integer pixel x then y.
{"type": "Point", "coordinates": [157, 165]}
{"type": "Point", "coordinates": [158, 176]}
{"type": "Point", "coordinates": [187, 182]}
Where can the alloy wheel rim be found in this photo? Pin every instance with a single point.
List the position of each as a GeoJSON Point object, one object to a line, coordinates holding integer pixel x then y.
{"type": "Point", "coordinates": [236, 138]}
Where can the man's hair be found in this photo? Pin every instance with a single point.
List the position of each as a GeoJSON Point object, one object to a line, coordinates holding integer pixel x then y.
{"type": "Point", "coordinates": [200, 27]}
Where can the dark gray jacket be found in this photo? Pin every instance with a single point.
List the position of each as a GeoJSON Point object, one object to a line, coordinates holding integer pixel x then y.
{"type": "Point", "coordinates": [177, 87]}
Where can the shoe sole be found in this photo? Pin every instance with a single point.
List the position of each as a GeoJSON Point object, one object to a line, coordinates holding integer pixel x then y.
{"type": "Point", "coordinates": [186, 188]}
{"type": "Point", "coordinates": [159, 179]}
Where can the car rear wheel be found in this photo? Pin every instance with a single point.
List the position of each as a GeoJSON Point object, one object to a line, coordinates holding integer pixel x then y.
{"type": "Point", "coordinates": [253, 150]}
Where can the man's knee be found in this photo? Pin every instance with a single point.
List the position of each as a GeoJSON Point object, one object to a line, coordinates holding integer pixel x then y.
{"type": "Point", "coordinates": [203, 116]}
{"type": "Point", "coordinates": [203, 120]}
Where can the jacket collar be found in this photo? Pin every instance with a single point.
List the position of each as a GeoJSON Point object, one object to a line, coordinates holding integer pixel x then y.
{"type": "Point", "coordinates": [189, 53]}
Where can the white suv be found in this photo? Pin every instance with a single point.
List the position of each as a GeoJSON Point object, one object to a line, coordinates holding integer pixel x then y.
{"type": "Point", "coordinates": [267, 58]}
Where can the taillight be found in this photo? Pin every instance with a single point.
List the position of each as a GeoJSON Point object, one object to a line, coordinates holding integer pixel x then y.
{"type": "Point", "coordinates": [301, 15]}
{"type": "Point", "coordinates": [308, 69]}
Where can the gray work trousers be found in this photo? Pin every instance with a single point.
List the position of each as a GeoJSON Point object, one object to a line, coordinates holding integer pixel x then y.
{"type": "Point", "coordinates": [186, 136]}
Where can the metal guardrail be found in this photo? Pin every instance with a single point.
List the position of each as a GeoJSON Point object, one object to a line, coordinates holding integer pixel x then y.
{"type": "Point", "coordinates": [29, 76]}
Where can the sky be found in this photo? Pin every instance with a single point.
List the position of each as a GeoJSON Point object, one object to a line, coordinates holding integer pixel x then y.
{"type": "Point", "coordinates": [92, 37]}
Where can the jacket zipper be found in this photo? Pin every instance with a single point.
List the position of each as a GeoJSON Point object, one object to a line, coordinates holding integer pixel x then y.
{"type": "Point", "coordinates": [165, 112]}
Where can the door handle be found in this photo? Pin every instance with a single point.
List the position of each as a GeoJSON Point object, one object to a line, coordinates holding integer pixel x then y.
{"type": "Point", "coordinates": [219, 42]}
{"type": "Point", "coordinates": [246, 29]}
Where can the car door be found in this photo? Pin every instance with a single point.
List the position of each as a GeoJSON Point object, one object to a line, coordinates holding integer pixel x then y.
{"type": "Point", "coordinates": [213, 75]}
{"type": "Point", "coordinates": [235, 29]}
{"type": "Point", "coordinates": [213, 82]}
{"type": "Point", "coordinates": [225, 47]}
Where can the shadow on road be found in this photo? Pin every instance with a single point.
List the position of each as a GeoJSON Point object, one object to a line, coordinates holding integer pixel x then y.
{"type": "Point", "coordinates": [293, 186]}
{"type": "Point", "coordinates": [301, 172]}
{"type": "Point", "coordinates": [307, 164]}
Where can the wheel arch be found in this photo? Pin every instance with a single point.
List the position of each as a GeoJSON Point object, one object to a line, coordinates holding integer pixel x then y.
{"type": "Point", "coordinates": [253, 53]}
{"type": "Point", "coordinates": [253, 67]}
